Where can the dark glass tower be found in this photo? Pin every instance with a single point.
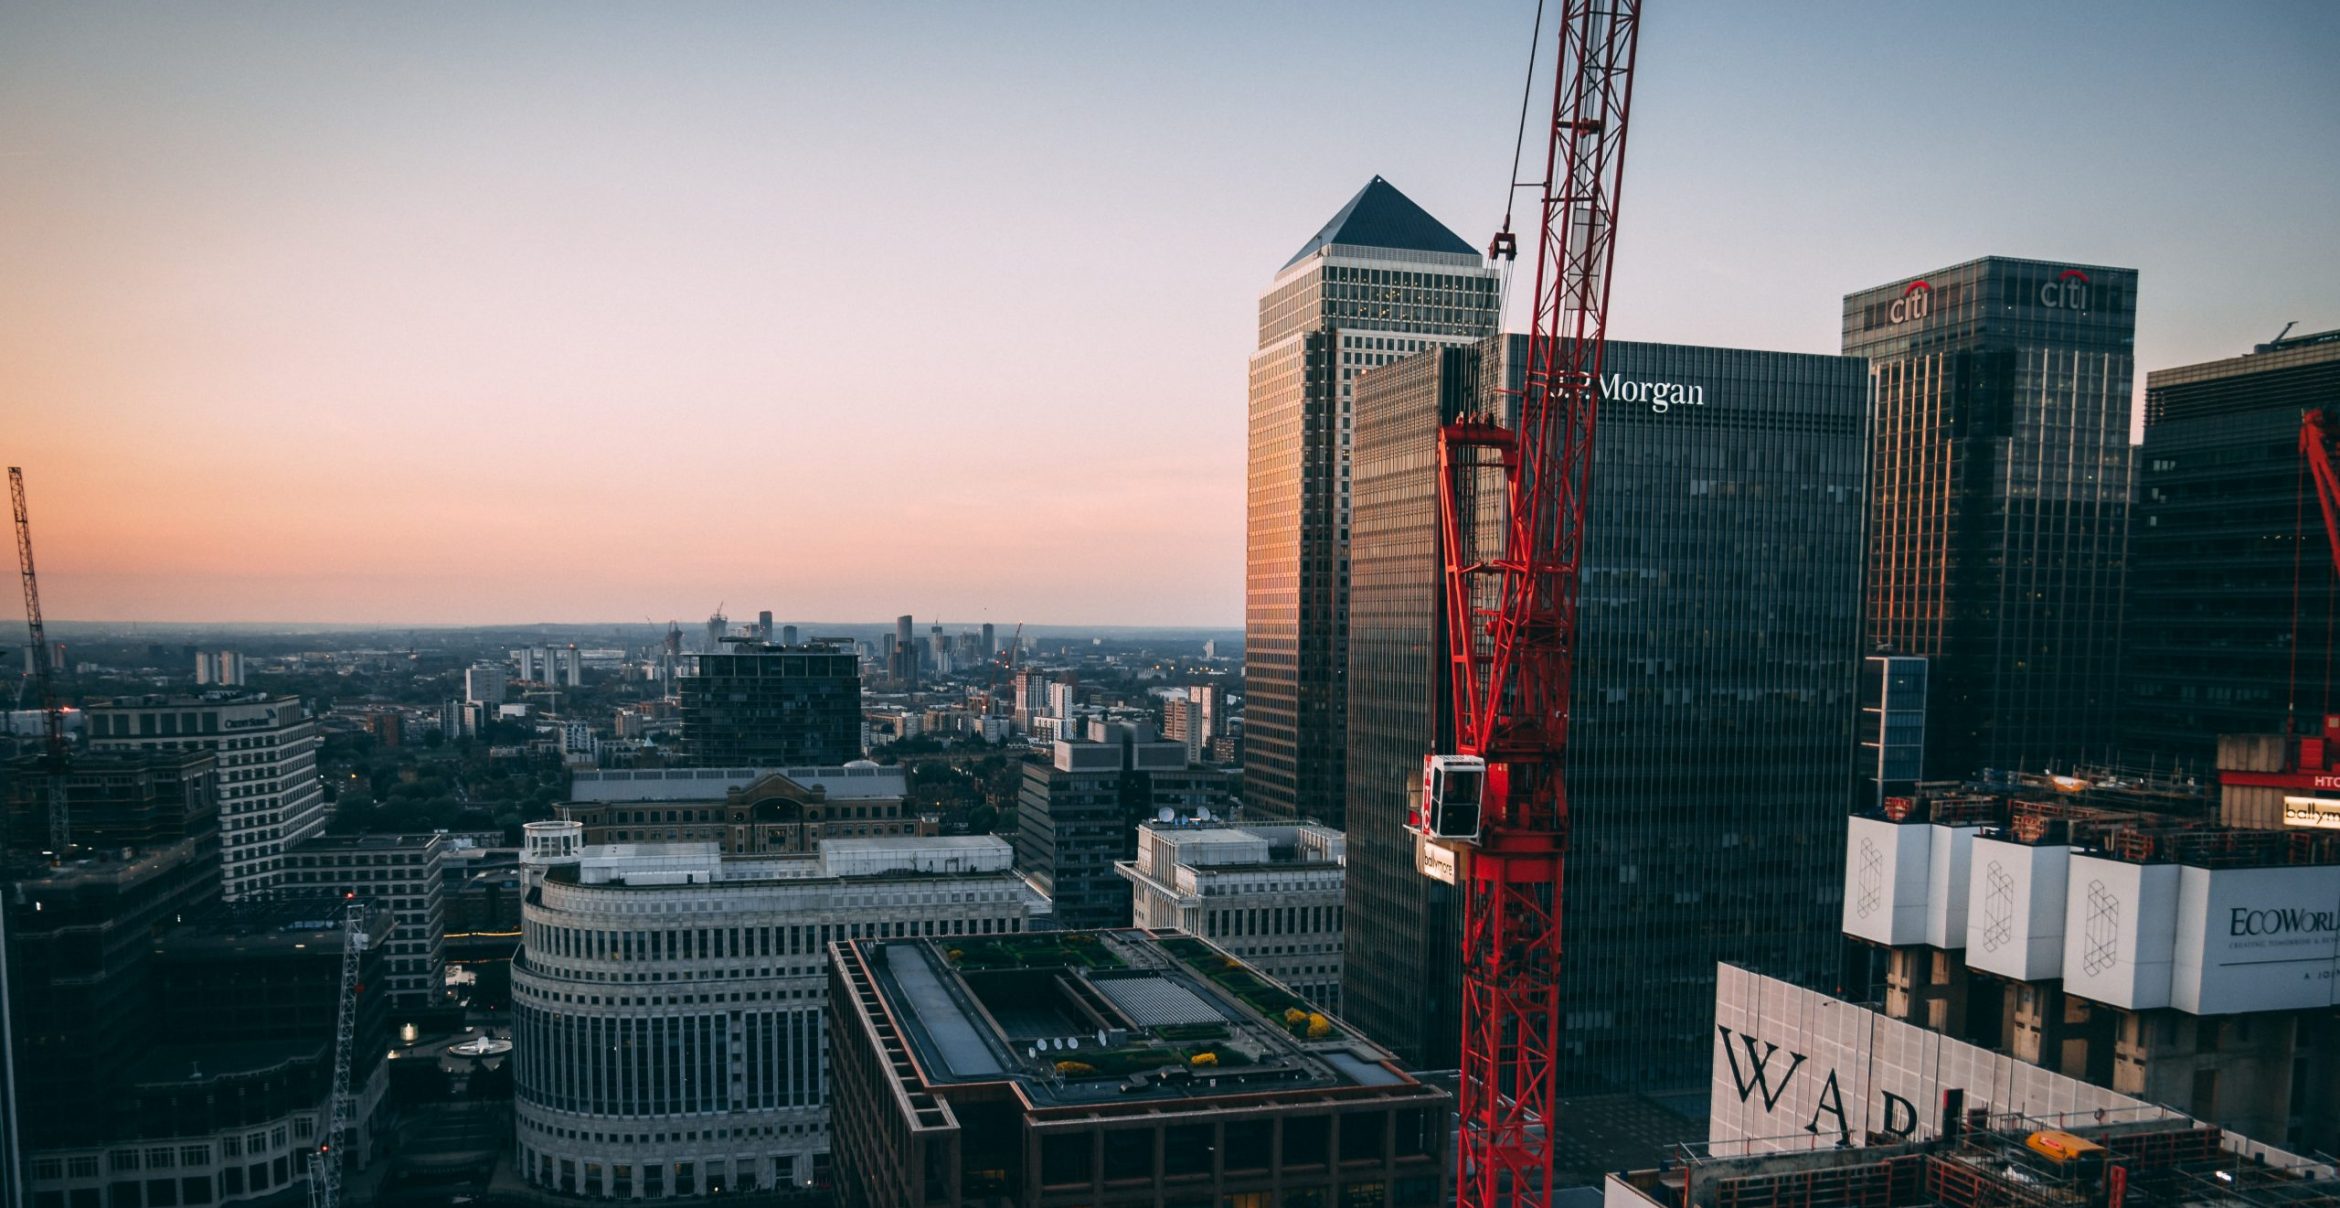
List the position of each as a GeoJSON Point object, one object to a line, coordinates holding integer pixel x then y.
{"type": "Point", "coordinates": [759, 706]}
{"type": "Point", "coordinates": [1713, 739]}
{"type": "Point", "coordinates": [2227, 531]}
{"type": "Point", "coordinates": [1999, 483]}
{"type": "Point", "coordinates": [1381, 281]}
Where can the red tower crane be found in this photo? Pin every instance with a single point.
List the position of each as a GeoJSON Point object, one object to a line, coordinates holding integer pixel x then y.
{"type": "Point", "coordinates": [1499, 803]}
{"type": "Point", "coordinates": [2312, 764]}
{"type": "Point", "coordinates": [53, 756]}
{"type": "Point", "coordinates": [2315, 448]}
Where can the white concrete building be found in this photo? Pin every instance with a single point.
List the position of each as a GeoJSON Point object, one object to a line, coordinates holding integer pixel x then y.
{"type": "Point", "coordinates": [669, 1002]}
{"type": "Point", "coordinates": [1270, 895]}
{"type": "Point", "coordinates": [484, 684]}
{"type": "Point", "coordinates": [270, 797]}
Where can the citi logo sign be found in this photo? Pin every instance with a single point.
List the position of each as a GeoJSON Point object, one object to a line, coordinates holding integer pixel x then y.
{"type": "Point", "coordinates": [1915, 302]}
{"type": "Point", "coordinates": [2069, 291]}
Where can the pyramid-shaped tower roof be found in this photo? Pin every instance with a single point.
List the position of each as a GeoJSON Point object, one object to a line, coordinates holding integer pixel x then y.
{"type": "Point", "coordinates": [1380, 216]}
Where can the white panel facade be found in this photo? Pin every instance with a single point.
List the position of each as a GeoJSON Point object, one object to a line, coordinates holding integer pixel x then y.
{"type": "Point", "coordinates": [1885, 873]}
{"type": "Point", "coordinates": [1948, 871]}
{"type": "Point", "coordinates": [1798, 1069]}
{"type": "Point", "coordinates": [669, 1006]}
{"type": "Point", "coordinates": [2015, 909]}
{"type": "Point", "coordinates": [2256, 939]}
{"type": "Point", "coordinates": [2120, 931]}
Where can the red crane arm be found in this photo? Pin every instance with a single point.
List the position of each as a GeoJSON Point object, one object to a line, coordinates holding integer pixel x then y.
{"type": "Point", "coordinates": [2315, 447]}
{"type": "Point", "coordinates": [1511, 615]}
{"type": "Point", "coordinates": [52, 713]}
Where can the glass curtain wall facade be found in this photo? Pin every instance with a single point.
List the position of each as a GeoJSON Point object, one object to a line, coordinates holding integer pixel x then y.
{"type": "Point", "coordinates": [2000, 479]}
{"type": "Point", "coordinates": [1402, 981]}
{"type": "Point", "coordinates": [2231, 589]}
{"type": "Point", "coordinates": [1714, 702]}
{"type": "Point", "coordinates": [1381, 281]}
{"type": "Point", "coordinates": [758, 706]}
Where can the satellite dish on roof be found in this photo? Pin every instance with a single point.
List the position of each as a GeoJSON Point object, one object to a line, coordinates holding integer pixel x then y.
{"type": "Point", "coordinates": [1164, 814]}
{"type": "Point", "coordinates": [1202, 813]}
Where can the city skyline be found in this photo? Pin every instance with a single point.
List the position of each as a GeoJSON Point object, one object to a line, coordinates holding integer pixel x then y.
{"type": "Point", "coordinates": [466, 317]}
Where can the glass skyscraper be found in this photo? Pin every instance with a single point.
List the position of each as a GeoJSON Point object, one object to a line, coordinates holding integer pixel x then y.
{"type": "Point", "coordinates": [1712, 747]}
{"type": "Point", "coordinates": [762, 706]}
{"type": "Point", "coordinates": [1999, 483]}
{"type": "Point", "coordinates": [1381, 281]}
{"type": "Point", "coordinates": [2231, 590]}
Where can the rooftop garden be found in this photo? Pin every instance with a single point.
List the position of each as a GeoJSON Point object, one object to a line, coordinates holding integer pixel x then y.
{"type": "Point", "coordinates": [1279, 1005]}
{"type": "Point", "coordinates": [1137, 1059]}
{"type": "Point", "coordinates": [1031, 950]}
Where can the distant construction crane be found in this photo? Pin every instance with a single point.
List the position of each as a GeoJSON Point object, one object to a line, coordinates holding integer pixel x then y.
{"type": "Point", "coordinates": [1003, 665]}
{"type": "Point", "coordinates": [325, 1164]}
{"type": "Point", "coordinates": [54, 756]}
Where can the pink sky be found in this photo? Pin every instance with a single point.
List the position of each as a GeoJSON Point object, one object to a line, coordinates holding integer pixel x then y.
{"type": "Point", "coordinates": [504, 314]}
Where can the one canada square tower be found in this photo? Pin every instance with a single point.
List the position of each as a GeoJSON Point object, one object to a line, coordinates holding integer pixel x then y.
{"type": "Point", "coordinates": [1382, 280]}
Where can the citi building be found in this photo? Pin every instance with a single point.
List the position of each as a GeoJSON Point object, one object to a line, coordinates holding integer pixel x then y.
{"type": "Point", "coordinates": [1999, 488]}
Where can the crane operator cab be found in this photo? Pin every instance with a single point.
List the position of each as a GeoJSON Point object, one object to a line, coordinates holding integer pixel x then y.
{"type": "Point", "coordinates": [1453, 788]}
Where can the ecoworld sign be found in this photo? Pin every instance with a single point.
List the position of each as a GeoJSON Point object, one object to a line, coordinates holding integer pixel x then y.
{"type": "Point", "coordinates": [2293, 920]}
{"type": "Point", "coordinates": [1659, 396]}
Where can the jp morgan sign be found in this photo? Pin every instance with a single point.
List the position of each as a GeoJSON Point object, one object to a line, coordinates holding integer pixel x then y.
{"type": "Point", "coordinates": [1659, 397]}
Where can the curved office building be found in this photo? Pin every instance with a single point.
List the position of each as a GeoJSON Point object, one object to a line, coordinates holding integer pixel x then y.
{"type": "Point", "coordinates": [668, 1003]}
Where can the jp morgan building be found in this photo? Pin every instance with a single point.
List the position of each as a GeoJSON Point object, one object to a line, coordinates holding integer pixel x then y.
{"type": "Point", "coordinates": [1712, 742]}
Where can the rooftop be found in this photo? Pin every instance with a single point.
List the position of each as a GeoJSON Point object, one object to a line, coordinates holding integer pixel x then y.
{"type": "Point", "coordinates": [184, 700]}
{"type": "Point", "coordinates": [1082, 1019]}
{"type": "Point", "coordinates": [2107, 820]}
{"type": "Point", "coordinates": [641, 865]}
{"type": "Point", "coordinates": [272, 928]}
{"type": "Point", "coordinates": [421, 842]}
{"type": "Point", "coordinates": [1380, 216]}
{"type": "Point", "coordinates": [854, 781]}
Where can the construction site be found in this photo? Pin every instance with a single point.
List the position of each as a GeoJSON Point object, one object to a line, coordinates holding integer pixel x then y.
{"type": "Point", "coordinates": [1984, 1160]}
{"type": "Point", "coordinates": [2125, 939]}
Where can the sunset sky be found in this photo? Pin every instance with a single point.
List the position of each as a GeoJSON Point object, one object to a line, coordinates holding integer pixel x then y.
{"type": "Point", "coordinates": [502, 313]}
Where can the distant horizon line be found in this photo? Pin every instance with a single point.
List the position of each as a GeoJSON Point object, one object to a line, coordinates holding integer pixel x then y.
{"type": "Point", "coordinates": [687, 626]}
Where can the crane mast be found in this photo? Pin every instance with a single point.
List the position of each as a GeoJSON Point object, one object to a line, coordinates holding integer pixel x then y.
{"type": "Point", "coordinates": [1512, 501]}
{"type": "Point", "coordinates": [53, 757]}
{"type": "Point", "coordinates": [324, 1164]}
{"type": "Point", "coordinates": [2315, 448]}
